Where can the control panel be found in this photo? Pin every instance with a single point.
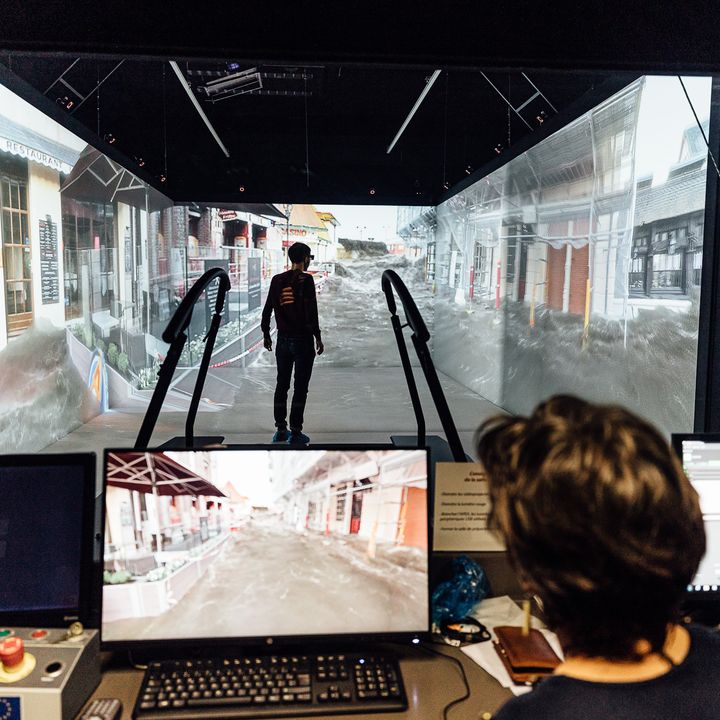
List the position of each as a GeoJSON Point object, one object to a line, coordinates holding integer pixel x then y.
{"type": "Point", "coordinates": [47, 673]}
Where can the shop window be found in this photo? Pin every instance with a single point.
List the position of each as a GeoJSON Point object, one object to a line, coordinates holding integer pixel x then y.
{"type": "Point", "coordinates": [16, 254]}
{"type": "Point", "coordinates": [430, 263]}
{"type": "Point", "coordinates": [667, 274]}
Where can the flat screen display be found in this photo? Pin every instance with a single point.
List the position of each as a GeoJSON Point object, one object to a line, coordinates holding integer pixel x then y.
{"type": "Point", "coordinates": [46, 537]}
{"type": "Point", "coordinates": [252, 543]}
{"type": "Point", "coordinates": [700, 455]}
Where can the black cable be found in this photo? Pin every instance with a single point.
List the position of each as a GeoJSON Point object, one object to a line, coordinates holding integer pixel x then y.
{"type": "Point", "coordinates": [457, 701]}
{"type": "Point", "coordinates": [137, 666]}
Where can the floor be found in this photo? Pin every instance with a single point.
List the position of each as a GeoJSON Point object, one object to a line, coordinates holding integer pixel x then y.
{"type": "Point", "coordinates": [347, 404]}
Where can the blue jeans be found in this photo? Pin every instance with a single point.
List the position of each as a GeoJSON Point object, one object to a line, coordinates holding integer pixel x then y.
{"type": "Point", "coordinates": [300, 352]}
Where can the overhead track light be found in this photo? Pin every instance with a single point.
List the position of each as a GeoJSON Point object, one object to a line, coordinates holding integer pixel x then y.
{"type": "Point", "coordinates": [417, 104]}
{"type": "Point", "coordinates": [238, 83]}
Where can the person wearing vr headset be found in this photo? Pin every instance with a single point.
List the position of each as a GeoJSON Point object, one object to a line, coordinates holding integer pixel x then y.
{"type": "Point", "coordinates": [603, 526]}
{"type": "Point", "coordinates": [293, 300]}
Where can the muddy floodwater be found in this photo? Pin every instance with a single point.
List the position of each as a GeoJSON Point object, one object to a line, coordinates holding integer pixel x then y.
{"type": "Point", "coordinates": [270, 582]}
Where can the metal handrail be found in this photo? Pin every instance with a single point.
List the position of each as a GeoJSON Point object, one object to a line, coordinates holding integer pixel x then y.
{"type": "Point", "coordinates": [175, 334]}
{"type": "Point", "coordinates": [420, 336]}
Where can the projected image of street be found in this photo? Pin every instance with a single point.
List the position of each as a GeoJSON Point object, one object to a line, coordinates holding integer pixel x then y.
{"type": "Point", "coordinates": [252, 543]}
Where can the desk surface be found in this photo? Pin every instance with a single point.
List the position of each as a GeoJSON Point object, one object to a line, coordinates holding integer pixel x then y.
{"type": "Point", "coordinates": [430, 682]}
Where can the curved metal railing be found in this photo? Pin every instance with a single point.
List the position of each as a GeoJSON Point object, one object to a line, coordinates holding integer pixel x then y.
{"type": "Point", "coordinates": [390, 282]}
{"type": "Point", "coordinates": [175, 334]}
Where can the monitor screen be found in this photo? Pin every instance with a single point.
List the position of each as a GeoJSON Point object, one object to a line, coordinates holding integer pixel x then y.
{"type": "Point", "coordinates": [46, 538]}
{"type": "Point", "coordinates": [700, 456]}
{"type": "Point", "coordinates": [256, 543]}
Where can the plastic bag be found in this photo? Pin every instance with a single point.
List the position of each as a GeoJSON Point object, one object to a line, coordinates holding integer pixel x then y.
{"type": "Point", "coordinates": [455, 598]}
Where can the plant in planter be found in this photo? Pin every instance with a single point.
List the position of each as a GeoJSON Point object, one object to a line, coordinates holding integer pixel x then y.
{"type": "Point", "coordinates": [118, 577]}
{"type": "Point", "coordinates": [100, 345]}
{"type": "Point", "coordinates": [123, 363]}
{"type": "Point", "coordinates": [112, 354]}
{"type": "Point", "coordinates": [147, 377]}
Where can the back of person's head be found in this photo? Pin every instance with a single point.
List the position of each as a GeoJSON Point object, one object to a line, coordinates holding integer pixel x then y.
{"type": "Point", "coordinates": [298, 251]}
{"type": "Point", "coordinates": [599, 519]}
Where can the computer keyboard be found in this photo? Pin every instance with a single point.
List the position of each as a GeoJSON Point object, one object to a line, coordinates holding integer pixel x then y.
{"type": "Point", "coordinates": [270, 686]}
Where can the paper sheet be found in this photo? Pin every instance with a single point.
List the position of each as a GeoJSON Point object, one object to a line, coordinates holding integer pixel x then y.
{"type": "Point", "coordinates": [503, 611]}
{"type": "Point", "coordinates": [462, 505]}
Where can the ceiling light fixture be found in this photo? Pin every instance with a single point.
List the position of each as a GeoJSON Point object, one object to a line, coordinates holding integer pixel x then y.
{"type": "Point", "coordinates": [109, 138]}
{"type": "Point", "coordinates": [237, 83]}
{"type": "Point", "coordinates": [196, 104]}
{"type": "Point", "coordinates": [425, 91]}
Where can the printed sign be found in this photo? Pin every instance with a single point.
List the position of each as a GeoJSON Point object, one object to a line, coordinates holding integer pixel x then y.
{"type": "Point", "coordinates": [127, 241]}
{"type": "Point", "coordinates": [49, 270]}
{"type": "Point", "coordinates": [212, 292]}
{"type": "Point", "coordinates": [462, 507]}
{"type": "Point", "coordinates": [254, 271]}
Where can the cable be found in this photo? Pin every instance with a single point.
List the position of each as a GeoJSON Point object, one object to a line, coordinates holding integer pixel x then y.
{"type": "Point", "coordinates": [137, 666]}
{"type": "Point", "coordinates": [307, 143]}
{"type": "Point", "coordinates": [457, 701]}
{"type": "Point", "coordinates": [699, 124]}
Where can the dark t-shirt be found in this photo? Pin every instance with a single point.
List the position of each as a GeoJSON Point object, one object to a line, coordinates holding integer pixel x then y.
{"type": "Point", "coordinates": [689, 691]}
{"type": "Point", "coordinates": [292, 298]}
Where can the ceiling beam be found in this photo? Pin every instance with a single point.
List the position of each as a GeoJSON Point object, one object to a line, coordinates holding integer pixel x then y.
{"type": "Point", "coordinates": [195, 102]}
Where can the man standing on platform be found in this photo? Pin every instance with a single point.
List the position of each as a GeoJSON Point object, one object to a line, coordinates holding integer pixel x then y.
{"type": "Point", "coordinates": [292, 298]}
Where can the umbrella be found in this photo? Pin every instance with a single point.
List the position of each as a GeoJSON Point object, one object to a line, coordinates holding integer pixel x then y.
{"type": "Point", "coordinates": [97, 178]}
{"type": "Point", "coordinates": [156, 473]}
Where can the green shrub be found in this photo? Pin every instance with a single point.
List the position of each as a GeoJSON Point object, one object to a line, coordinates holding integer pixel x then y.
{"type": "Point", "coordinates": [123, 364]}
{"type": "Point", "coordinates": [87, 336]}
{"type": "Point", "coordinates": [119, 577]}
{"type": "Point", "coordinates": [100, 344]}
{"type": "Point", "coordinates": [112, 353]}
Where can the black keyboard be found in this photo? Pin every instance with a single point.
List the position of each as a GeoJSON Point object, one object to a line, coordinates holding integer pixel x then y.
{"type": "Point", "coordinates": [270, 686]}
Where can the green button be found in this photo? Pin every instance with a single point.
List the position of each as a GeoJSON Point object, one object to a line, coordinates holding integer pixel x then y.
{"type": "Point", "coordinates": [5, 632]}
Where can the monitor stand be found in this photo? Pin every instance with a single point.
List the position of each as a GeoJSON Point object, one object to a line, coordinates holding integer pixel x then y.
{"type": "Point", "coordinates": [199, 441]}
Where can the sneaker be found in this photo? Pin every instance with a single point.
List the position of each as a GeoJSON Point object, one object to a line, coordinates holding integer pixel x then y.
{"type": "Point", "coordinates": [298, 438]}
{"type": "Point", "coordinates": [281, 436]}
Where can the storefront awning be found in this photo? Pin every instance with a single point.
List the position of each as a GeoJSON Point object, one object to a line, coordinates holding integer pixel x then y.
{"type": "Point", "coordinates": [156, 472]}
{"type": "Point", "coordinates": [97, 178]}
{"type": "Point", "coordinates": [26, 143]}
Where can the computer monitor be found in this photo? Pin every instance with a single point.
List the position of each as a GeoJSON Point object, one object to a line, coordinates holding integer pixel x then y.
{"type": "Point", "coordinates": [264, 545]}
{"type": "Point", "coordinates": [700, 457]}
{"type": "Point", "coordinates": [47, 530]}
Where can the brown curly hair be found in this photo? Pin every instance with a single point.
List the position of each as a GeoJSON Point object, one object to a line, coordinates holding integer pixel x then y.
{"type": "Point", "coordinates": [600, 519]}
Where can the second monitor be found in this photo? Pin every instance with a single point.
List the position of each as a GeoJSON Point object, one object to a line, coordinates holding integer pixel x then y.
{"type": "Point", "coordinates": [264, 545]}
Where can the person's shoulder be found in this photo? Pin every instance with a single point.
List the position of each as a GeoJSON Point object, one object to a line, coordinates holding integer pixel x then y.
{"type": "Point", "coordinates": [542, 702]}
{"type": "Point", "coordinates": [704, 638]}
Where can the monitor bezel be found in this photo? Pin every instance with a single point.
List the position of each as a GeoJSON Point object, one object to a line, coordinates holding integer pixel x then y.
{"type": "Point", "coordinates": [693, 597]}
{"type": "Point", "coordinates": [192, 644]}
{"type": "Point", "coordinates": [63, 616]}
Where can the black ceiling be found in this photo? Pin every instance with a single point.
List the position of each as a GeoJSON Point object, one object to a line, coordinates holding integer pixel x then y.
{"type": "Point", "coordinates": [337, 80]}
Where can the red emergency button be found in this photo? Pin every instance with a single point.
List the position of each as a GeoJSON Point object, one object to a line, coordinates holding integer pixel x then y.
{"type": "Point", "coordinates": [12, 651]}
{"type": "Point", "coordinates": [39, 634]}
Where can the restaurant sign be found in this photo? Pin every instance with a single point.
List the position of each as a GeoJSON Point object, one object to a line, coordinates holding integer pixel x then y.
{"type": "Point", "coordinates": [38, 156]}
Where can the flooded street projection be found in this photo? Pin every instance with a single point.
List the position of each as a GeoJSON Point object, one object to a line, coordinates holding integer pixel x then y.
{"type": "Point", "coordinates": [251, 543]}
{"type": "Point", "coordinates": [266, 582]}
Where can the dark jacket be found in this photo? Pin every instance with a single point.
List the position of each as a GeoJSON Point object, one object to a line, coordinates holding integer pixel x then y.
{"type": "Point", "coordinates": [292, 298]}
{"type": "Point", "coordinates": [689, 691]}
